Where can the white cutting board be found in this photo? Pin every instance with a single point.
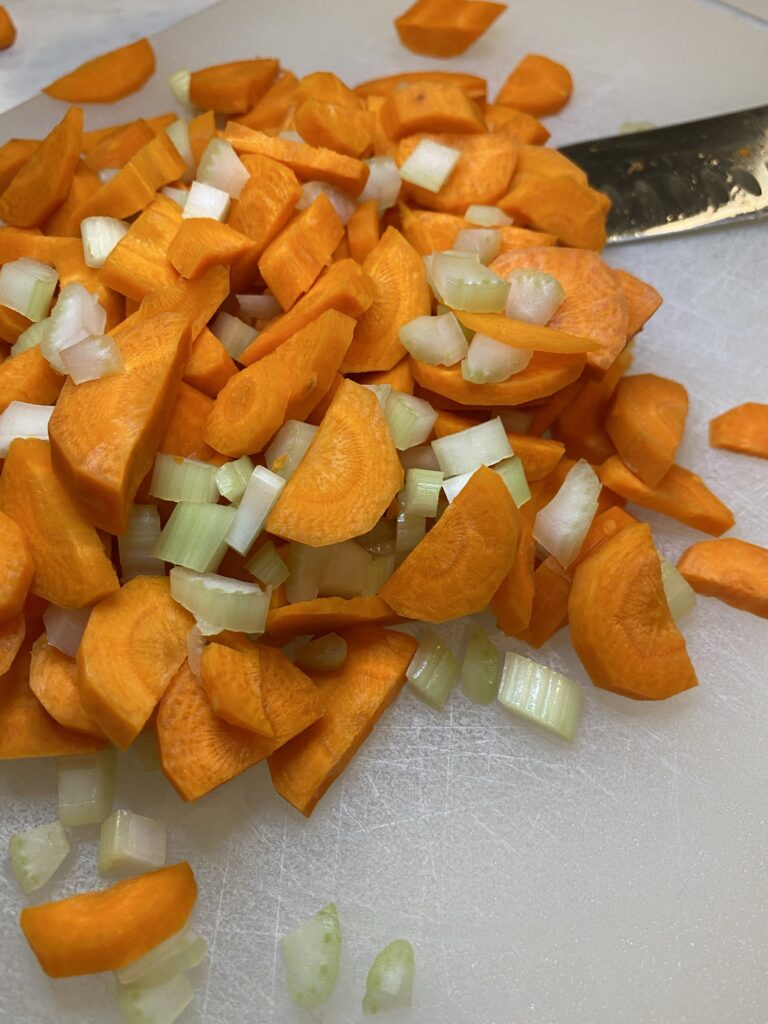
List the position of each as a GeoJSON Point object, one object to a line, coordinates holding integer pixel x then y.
{"type": "Point", "coordinates": [618, 881]}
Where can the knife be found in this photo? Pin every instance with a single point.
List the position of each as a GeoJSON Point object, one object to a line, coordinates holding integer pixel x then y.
{"type": "Point", "coordinates": [681, 177]}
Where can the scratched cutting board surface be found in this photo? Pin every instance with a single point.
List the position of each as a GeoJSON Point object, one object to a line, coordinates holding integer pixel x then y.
{"type": "Point", "coordinates": [618, 881]}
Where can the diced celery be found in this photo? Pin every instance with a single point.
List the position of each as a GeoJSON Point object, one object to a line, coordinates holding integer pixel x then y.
{"type": "Point", "coordinates": [541, 695]}
{"type": "Point", "coordinates": [162, 1004]}
{"type": "Point", "coordinates": [179, 83]}
{"type": "Point", "coordinates": [183, 951]}
{"type": "Point", "coordinates": [76, 315]}
{"type": "Point", "coordinates": [533, 296]}
{"type": "Point", "coordinates": [429, 165]}
{"type": "Point", "coordinates": [561, 526]}
{"type": "Point", "coordinates": [512, 473]}
{"type": "Point", "coordinates": [87, 787]}
{"type": "Point", "coordinates": [312, 953]}
{"type": "Point", "coordinates": [36, 855]}
{"type": "Point", "coordinates": [259, 498]}
{"type": "Point", "coordinates": [232, 478]}
{"type": "Point", "coordinates": [422, 491]}
{"type": "Point", "coordinates": [234, 334]}
{"type": "Point", "coordinates": [195, 535]}
{"type": "Point", "coordinates": [175, 479]}
{"type": "Point", "coordinates": [489, 361]}
{"type": "Point", "coordinates": [436, 340]}
{"type": "Point", "coordinates": [433, 670]}
{"type": "Point", "coordinates": [220, 603]}
{"type": "Point", "coordinates": [464, 284]}
{"type": "Point", "coordinates": [486, 216]}
{"type": "Point", "coordinates": [306, 566]}
{"type": "Point", "coordinates": [486, 242]}
{"type": "Point", "coordinates": [288, 447]}
{"type": "Point", "coordinates": [131, 842]}
{"type": "Point", "coordinates": [390, 979]}
{"type": "Point", "coordinates": [32, 337]}
{"type": "Point", "coordinates": [322, 654]}
{"type": "Point", "coordinates": [379, 571]}
{"type": "Point", "coordinates": [680, 595]}
{"type": "Point", "coordinates": [380, 540]}
{"type": "Point", "coordinates": [480, 668]}
{"type": "Point", "coordinates": [27, 287]}
{"type": "Point", "coordinates": [410, 419]}
{"type": "Point", "coordinates": [342, 202]}
{"type": "Point", "coordinates": [267, 566]}
{"type": "Point", "coordinates": [410, 530]}
{"type": "Point", "coordinates": [345, 570]}
{"type": "Point", "coordinates": [468, 450]}
{"type": "Point", "coordinates": [100, 236]}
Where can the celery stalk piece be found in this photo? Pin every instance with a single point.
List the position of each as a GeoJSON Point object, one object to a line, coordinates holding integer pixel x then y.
{"type": "Point", "coordinates": [31, 338]}
{"type": "Point", "coordinates": [480, 668]}
{"type": "Point", "coordinates": [380, 540]}
{"type": "Point", "coordinates": [468, 450]}
{"type": "Point", "coordinates": [465, 284]}
{"type": "Point", "coordinates": [138, 542]}
{"type": "Point", "coordinates": [534, 296]}
{"type": "Point", "coordinates": [288, 447]}
{"type": "Point", "coordinates": [234, 334]}
{"type": "Point", "coordinates": [178, 133]}
{"type": "Point", "coordinates": [379, 571]}
{"type": "Point", "coordinates": [220, 603]}
{"type": "Point", "coordinates": [341, 201]}
{"type": "Point", "coordinates": [181, 952]}
{"type": "Point", "coordinates": [27, 287]}
{"type": "Point", "coordinates": [64, 627]}
{"type": "Point", "coordinates": [92, 358]}
{"type": "Point", "coordinates": [430, 165]}
{"type": "Point", "coordinates": [512, 473]}
{"type": "Point", "coordinates": [345, 570]}
{"type": "Point", "coordinates": [87, 787]}
{"type": "Point", "coordinates": [561, 526]}
{"type": "Point", "coordinates": [680, 595]}
{"type": "Point", "coordinates": [306, 566]}
{"type": "Point", "coordinates": [76, 315]}
{"type": "Point", "coordinates": [268, 567]}
{"type": "Point", "coordinates": [433, 670]}
{"type": "Point", "coordinates": [419, 457]}
{"type": "Point", "coordinates": [175, 479]}
{"type": "Point", "coordinates": [205, 201]}
{"type": "Point", "coordinates": [441, 310]}
{"type": "Point", "coordinates": [179, 83]}
{"type": "Point", "coordinates": [410, 419]}
{"type": "Point", "coordinates": [195, 535]}
{"type": "Point", "coordinates": [161, 1004]}
{"type": "Point", "coordinates": [436, 340]}
{"type": "Point", "coordinates": [322, 654]}
{"type": "Point", "coordinates": [221, 168]}
{"type": "Point", "coordinates": [100, 236]}
{"type": "Point", "coordinates": [131, 843]}
{"type": "Point", "coordinates": [383, 182]}
{"type": "Point", "coordinates": [260, 497]}
{"type": "Point", "coordinates": [390, 979]}
{"type": "Point", "coordinates": [455, 484]}
{"type": "Point", "coordinates": [486, 216]}
{"type": "Point", "coordinates": [195, 648]}
{"type": "Point", "coordinates": [410, 530]}
{"type": "Point", "coordinates": [541, 695]}
{"type": "Point", "coordinates": [489, 361]}
{"type": "Point", "coordinates": [422, 491]}
{"type": "Point", "coordinates": [232, 478]}
{"type": "Point", "coordinates": [36, 855]}
{"type": "Point", "coordinates": [312, 953]}
{"type": "Point", "coordinates": [22, 419]}
{"type": "Point", "coordinates": [486, 242]}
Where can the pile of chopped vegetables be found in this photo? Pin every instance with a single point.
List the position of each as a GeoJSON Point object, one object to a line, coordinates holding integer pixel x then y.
{"type": "Point", "coordinates": [310, 362]}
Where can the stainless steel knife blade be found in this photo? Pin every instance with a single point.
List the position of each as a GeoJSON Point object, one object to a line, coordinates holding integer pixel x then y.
{"type": "Point", "coordinates": [681, 177]}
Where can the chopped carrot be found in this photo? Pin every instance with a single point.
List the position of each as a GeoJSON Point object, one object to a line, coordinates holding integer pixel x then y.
{"type": "Point", "coordinates": [13, 155]}
{"type": "Point", "coordinates": [602, 528]}
{"type": "Point", "coordinates": [539, 161]}
{"type": "Point", "coordinates": [17, 567]}
{"type": "Point", "coordinates": [429, 231]}
{"type": "Point", "coordinates": [549, 611]}
{"type": "Point", "coordinates": [63, 221]}
{"type": "Point", "coordinates": [473, 85]}
{"type": "Point", "coordinates": [642, 300]}
{"type": "Point", "coordinates": [12, 635]}
{"type": "Point", "coordinates": [431, 107]}
{"type": "Point", "coordinates": [232, 88]}
{"type": "Point", "coordinates": [743, 429]}
{"type": "Point", "coordinates": [184, 436]}
{"type": "Point", "coordinates": [538, 85]}
{"type": "Point", "coordinates": [581, 425]}
{"type": "Point", "coordinates": [201, 243]}
{"type": "Point", "coordinates": [335, 126]}
{"type": "Point", "coordinates": [523, 238]}
{"type": "Point", "coordinates": [646, 422]}
{"type": "Point", "coordinates": [363, 230]}
{"type": "Point", "coordinates": [28, 377]}
{"type": "Point", "coordinates": [196, 300]}
{"type": "Point", "coordinates": [266, 203]}
{"type": "Point", "coordinates": [232, 682]}
{"type": "Point", "coordinates": [157, 124]}
{"type": "Point", "coordinates": [523, 127]}
{"type": "Point", "coordinates": [561, 206]}
{"type": "Point", "coordinates": [201, 130]}
{"type": "Point", "coordinates": [7, 30]}
{"type": "Point", "coordinates": [92, 932]}
{"type": "Point", "coordinates": [731, 570]}
{"type": "Point", "coordinates": [621, 626]}
{"type": "Point", "coordinates": [53, 680]}
{"type": "Point", "coordinates": [328, 615]}
{"type": "Point", "coordinates": [107, 78]}
{"type": "Point", "coordinates": [327, 88]}
{"type": "Point", "coordinates": [445, 28]}
{"type": "Point", "coordinates": [399, 377]}
{"type": "Point", "coordinates": [117, 148]}
{"type": "Point", "coordinates": [209, 366]}
{"type": "Point", "coordinates": [520, 334]}
{"type": "Point", "coordinates": [12, 324]}
{"type": "Point", "coordinates": [140, 262]}
{"type": "Point", "coordinates": [512, 603]}
{"type": "Point", "coordinates": [271, 111]}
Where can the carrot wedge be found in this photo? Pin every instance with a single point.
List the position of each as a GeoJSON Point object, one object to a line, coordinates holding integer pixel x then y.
{"type": "Point", "coordinates": [646, 422]}
{"type": "Point", "coordinates": [743, 429]}
{"type": "Point", "coordinates": [519, 334]}
{"type": "Point", "coordinates": [267, 201]}
{"type": "Point", "coordinates": [103, 931]}
{"type": "Point", "coordinates": [53, 680]}
{"type": "Point", "coordinates": [116, 148]}
{"type": "Point", "coordinates": [232, 88]}
{"type": "Point", "coordinates": [731, 570]}
{"type": "Point", "coordinates": [512, 603]}
{"type": "Point", "coordinates": [17, 567]}
{"type": "Point", "coordinates": [184, 436]}
{"type": "Point", "coordinates": [12, 634]}
{"type": "Point", "coordinates": [107, 78]}
{"type": "Point", "coordinates": [200, 243]}
{"type": "Point", "coordinates": [473, 85]}
{"type": "Point", "coordinates": [680, 494]}
{"type": "Point", "coordinates": [328, 615]}
{"type": "Point", "coordinates": [431, 107]}
{"type": "Point", "coordinates": [459, 565]}
{"type": "Point", "coordinates": [363, 230]}
{"type": "Point", "coordinates": [429, 231]}
{"type": "Point", "coordinates": [537, 85]}
{"type": "Point", "coordinates": [642, 300]}
{"type": "Point", "coordinates": [603, 527]}
{"type": "Point", "coordinates": [232, 681]}
{"type": "Point", "coordinates": [621, 625]}
{"type": "Point", "coordinates": [355, 697]}
{"type": "Point", "coordinates": [273, 108]}
{"type": "Point", "coordinates": [345, 482]}
{"type": "Point", "coordinates": [132, 647]}
{"type": "Point", "coordinates": [549, 612]}
{"type": "Point", "coordinates": [561, 206]}
{"type": "Point", "coordinates": [140, 262]}
{"type": "Point", "coordinates": [63, 221]}
{"type": "Point", "coordinates": [196, 300]}
{"type": "Point", "coordinates": [445, 28]}
{"type": "Point", "coordinates": [341, 128]}
{"type": "Point", "coordinates": [209, 366]}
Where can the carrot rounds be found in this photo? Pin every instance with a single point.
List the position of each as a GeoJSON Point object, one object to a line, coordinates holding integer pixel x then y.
{"type": "Point", "coordinates": [103, 931]}
{"type": "Point", "coordinates": [445, 28]}
{"type": "Point", "coordinates": [107, 78]}
{"type": "Point", "coordinates": [17, 567]}
{"type": "Point", "coordinates": [646, 422]}
{"type": "Point", "coordinates": [53, 680]}
{"type": "Point", "coordinates": [731, 570]}
{"type": "Point", "coordinates": [355, 697]}
{"type": "Point", "coordinates": [743, 429]}
{"type": "Point", "coordinates": [7, 30]}
{"type": "Point", "coordinates": [621, 626]}
{"type": "Point", "coordinates": [537, 86]}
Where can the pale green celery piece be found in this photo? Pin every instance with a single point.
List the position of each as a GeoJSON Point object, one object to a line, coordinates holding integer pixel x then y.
{"type": "Point", "coordinates": [561, 526]}
{"type": "Point", "coordinates": [219, 603]}
{"type": "Point", "coordinates": [441, 309]}
{"type": "Point", "coordinates": [312, 953]}
{"type": "Point", "coordinates": [138, 542]}
{"type": "Point", "coordinates": [390, 979]}
{"type": "Point", "coordinates": [31, 338]}
{"type": "Point", "coordinates": [379, 571]}
{"type": "Point", "coordinates": [178, 133]}
{"type": "Point", "coordinates": [534, 296]}
{"type": "Point", "coordinates": [36, 855]}
{"type": "Point", "coordinates": [468, 450]}
{"type": "Point", "coordinates": [489, 361]}
{"type": "Point", "coordinates": [306, 566]}
{"type": "Point", "coordinates": [345, 570]}
{"type": "Point", "coordinates": [131, 843]}
{"type": "Point", "coordinates": [181, 952]}
{"type": "Point", "coordinates": [260, 497]}
{"type": "Point", "coordinates": [175, 479]}
{"type": "Point", "coordinates": [179, 83]}
{"type": "Point", "coordinates": [436, 340]}
{"type": "Point", "coordinates": [486, 216]}
{"type": "Point", "coordinates": [289, 446]}
{"type": "Point", "coordinates": [380, 540]}
{"type": "Point", "coordinates": [455, 484]}
{"type": "Point", "coordinates": [27, 287]}
{"type": "Point", "coordinates": [541, 695]}
{"type": "Point", "coordinates": [463, 284]}
{"type": "Point", "coordinates": [433, 670]}
{"type": "Point", "coordinates": [146, 747]}
{"type": "Point", "coordinates": [87, 787]}
{"type": "Point", "coordinates": [267, 566]}
{"type": "Point", "coordinates": [422, 491]}
{"type": "Point", "coordinates": [195, 535]}
{"type": "Point", "coordinates": [486, 242]}
{"type": "Point", "coordinates": [680, 595]}
{"type": "Point", "coordinates": [322, 654]}
{"type": "Point", "coordinates": [92, 358]}
{"type": "Point", "coordinates": [429, 165]}
{"type": "Point", "coordinates": [100, 236]}
{"type": "Point", "coordinates": [232, 478]}
{"type": "Point", "coordinates": [409, 419]}
{"type": "Point", "coordinates": [631, 127]}
{"type": "Point", "coordinates": [205, 201]}
{"type": "Point", "coordinates": [410, 530]}
{"type": "Point", "coordinates": [162, 1004]}
{"type": "Point", "coordinates": [512, 473]}
{"type": "Point", "coordinates": [480, 668]}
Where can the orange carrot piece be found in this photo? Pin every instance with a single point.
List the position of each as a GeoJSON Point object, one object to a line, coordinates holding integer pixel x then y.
{"type": "Point", "coordinates": [71, 569]}
{"type": "Point", "coordinates": [232, 681]}
{"type": "Point", "coordinates": [523, 127]}
{"type": "Point", "coordinates": [158, 125]}
{"type": "Point", "coordinates": [271, 110]}
{"type": "Point", "coordinates": [581, 425]}
{"type": "Point", "coordinates": [134, 643]}
{"type": "Point", "coordinates": [473, 85]}
{"type": "Point", "coordinates": [7, 30]}
{"type": "Point", "coordinates": [53, 680]}
{"type": "Point", "coordinates": [130, 410]}
{"type": "Point", "coordinates": [731, 570]}
{"type": "Point", "coordinates": [63, 221]}
{"type": "Point", "coordinates": [561, 206]}
{"type": "Point", "coordinates": [355, 696]}
{"type": "Point", "coordinates": [621, 626]}
{"type": "Point", "coordinates": [680, 495]}
{"type": "Point", "coordinates": [42, 183]}
{"type": "Point", "coordinates": [12, 635]}
{"type": "Point", "coordinates": [539, 161]}
{"type": "Point", "coordinates": [201, 130]}
{"type": "Point", "coordinates": [196, 301]}
{"type": "Point", "coordinates": [348, 477]}
{"type": "Point", "coordinates": [520, 334]}
{"type": "Point", "coordinates": [318, 413]}
{"type": "Point", "coordinates": [199, 751]}
{"type": "Point", "coordinates": [17, 567]}
{"type": "Point", "coordinates": [399, 377]}
{"type": "Point", "coordinates": [328, 615]}
{"type": "Point", "coordinates": [603, 527]}
{"type": "Point", "coordinates": [428, 231]}
{"type": "Point", "coordinates": [232, 88]}
{"type": "Point", "coordinates": [523, 238]}
{"type": "Point", "coordinates": [335, 126]}
{"type": "Point", "coordinates": [140, 262]}
{"type": "Point", "coordinates": [401, 294]}
{"type": "Point", "coordinates": [266, 203]}
{"type": "Point", "coordinates": [13, 155]}
{"type": "Point", "coordinates": [209, 366]}
{"type": "Point", "coordinates": [28, 378]}
{"type": "Point", "coordinates": [363, 230]}
{"type": "Point", "coordinates": [642, 300]}
{"type": "Point", "coordinates": [184, 436]}
{"type": "Point", "coordinates": [461, 562]}
{"type": "Point", "coordinates": [201, 243]}
{"type": "Point", "coordinates": [743, 429]}
{"type": "Point", "coordinates": [117, 148]}
{"type": "Point", "coordinates": [431, 107]}
{"type": "Point", "coordinates": [107, 78]}
{"type": "Point", "coordinates": [328, 88]}
{"type": "Point", "coordinates": [512, 603]}
{"type": "Point", "coordinates": [549, 612]}
{"type": "Point", "coordinates": [445, 28]}
{"type": "Point", "coordinates": [103, 931]}
{"type": "Point", "coordinates": [12, 324]}
{"type": "Point", "coordinates": [646, 422]}
{"type": "Point", "coordinates": [537, 85]}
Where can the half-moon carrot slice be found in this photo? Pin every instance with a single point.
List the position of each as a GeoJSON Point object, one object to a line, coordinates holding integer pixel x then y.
{"type": "Point", "coordinates": [117, 147]}
{"type": "Point", "coordinates": [524, 128]}
{"type": "Point", "coordinates": [429, 231]}
{"type": "Point", "coordinates": [209, 366]}
{"type": "Point", "coordinates": [431, 107]}
{"type": "Point", "coordinates": [17, 567]}
{"type": "Point", "coordinates": [603, 527]}
{"type": "Point", "coordinates": [473, 85]}
{"type": "Point", "coordinates": [560, 205]}
{"type": "Point", "coordinates": [274, 106]}
{"type": "Point", "coordinates": [53, 680]}
{"type": "Point", "coordinates": [731, 570]}
{"type": "Point", "coordinates": [445, 28]}
{"type": "Point", "coordinates": [538, 85]}
{"type": "Point", "coordinates": [401, 294]}
{"type": "Point", "coordinates": [185, 434]}
{"type": "Point", "coordinates": [328, 615]}
{"type": "Point", "coordinates": [132, 647]}
{"type": "Point", "coordinates": [549, 612]}
{"type": "Point", "coordinates": [336, 126]}
{"type": "Point", "coordinates": [28, 377]}
{"type": "Point", "coordinates": [104, 931]}
{"type": "Point", "coordinates": [196, 300]}
{"type": "Point", "coordinates": [12, 633]}
{"type": "Point", "coordinates": [581, 425]}
{"type": "Point", "coordinates": [348, 477]}
{"type": "Point", "coordinates": [363, 230]}
{"type": "Point", "coordinates": [642, 300]}
{"type": "Point", "coordinates": [461, 562]}
{"type": "Point", "coordinates": [743, 429]}
{"type": "Point", "coordinates": [621, 626]}
{"type": "Point", "coordinates": [232, 682]}
{"type": "Point", "coordinates": [512, 604]}
{"type": "Point", "coordinates": [680, 494]}
{"type": "Point", "coordinates": [63, 221]}
{"type": "Point", "coordinates": [107, 78]}
{"type": "Point", "coordinates": [355, 697]}
{"type": "Point", "coordinates": [646, 422]}
{"type": "Point", "coordinates": [519, 334]}
{"type": "Point", "coordinates": [267, 201]}
{"type": "Point", "coordinates": [232, 88]}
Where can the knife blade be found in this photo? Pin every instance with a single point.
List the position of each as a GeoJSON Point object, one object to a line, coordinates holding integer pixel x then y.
{"type": "Point", "coordinates": [681, 177]}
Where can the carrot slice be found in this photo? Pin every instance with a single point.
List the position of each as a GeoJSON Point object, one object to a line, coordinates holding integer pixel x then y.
{"type": "Point", "coordinates": [328, 88]}
{"type": "Point", "coordinates": [199, 751]}
{"type": "Point", "coordinates": [520, 334]}
{"type": "Point", "coordinates": [42, 183]}
{"type": "Point", "coordinates": [461, 562]}
{"type": "Point", "coordinates": [17, 567]}
{"type": "Point", "coordinates": [28, 377]}
{"type": "Point", "coordinates": [399, 377]}
{"type": "Point", "coordinates": [71, 569]}
{"type": "Point", "coordinates": [12, 634]}
{"type": "Point", "coordinates": [117, 148]}
{"type": "Point", "coordinates": [201, 130]}
{"type": "Point", "coordinates": [140, 262]}
{"type": "Point", "coordinates": [158, 125]}
{"type": "Point", "coordinates": [232, 88]}
{"type": "Point", "coordinates": [538, 85]}
{"type": "Point", "coordinates": [201, 243]}
{"type": "Point", "coordinates": [13, 155]}
{"type": "Point", "coordinates": [132, 647]}
{"type": "Point", "coordinates": [355, 697]}
{"type": "Point", "coordinates": [603, 526]}
{"type": "Point", "coordinates": [549, 611]}
{"type": "Point", "coordinates": [348, 477]}
{"type": "Point", "coordinates": [561, 206]}
{"type": "Point", "coordinates": [363, 230]}
{"type": "Point", "coordinates": [743, 429]}
{"type": "Point", "coordinates": [63, 221]}
{"type": "Point", "coordinates": [731, 570]}
{"type": "Point", "coordinates": [445, 28]}
{"type": "Point", "coordinates": [680, 494]}
{"type": "Point", "coordinates": [267, 201]}
{"type": "Point", "coordinates": [107, 78]}
{"type": "Point", "coordinates": [581, 425]}
{"type": "Point", "coordinates": [473, 85]}
{"type": "Point", "coordinates": [538, 456]}
{"type": "Point", "coordinates": [401, 294]}
{"type": "Point", "coordinates": [512, 603]}
{"type": "Point", "coordinates": [232, 682]}
{"type": "Point", "coordinates": [328, 615]}
{"type": "Point", "coordinates": [431, 107]}
{"type": "Point", "coordinates": [185, 433]}
{"type": "Point", "coordinates": [274, 106]}
{"type": "Point", "coordinates": [621, 626]}
{"type": "Point", "coordinates": [209, 366]}
{"type": "Point", "coordinates": [646, 423]}
{"type": "Point", "coordinates": [104, 433]}
{"type": "Point", "coordinates": [523, 127]}
{"type": "Point", "coordinates": [538, 161]}
{"type": "Point", "coordinates": [7, 30]}
{"type": "Point", "coordinates": [642, 300]}
{"type": "Point", "coordinates": [196, 300]}
{"type": "Point", "coordinates": [523, 238]}
{"type": "Point", "coordinates": [53, 680]}
{"type": "Point", "coordinates": [335, 126]}
{"type": "Point", "coordinates": [103, 931]}
{"type": "Point", "coordinates": [429, 231]}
